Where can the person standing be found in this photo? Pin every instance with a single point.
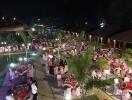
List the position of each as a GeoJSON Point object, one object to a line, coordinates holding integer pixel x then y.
{"type": "Point", "coordinates": [34, 90]}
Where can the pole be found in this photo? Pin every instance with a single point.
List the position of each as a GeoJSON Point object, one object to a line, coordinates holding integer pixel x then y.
{"type": "Point", "coordinates": [26, 52]}
{"type": "Point", "coordinates": [9, 54]}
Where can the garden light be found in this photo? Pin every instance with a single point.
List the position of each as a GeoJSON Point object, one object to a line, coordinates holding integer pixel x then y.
{"type": "Point", "coordinates": [12, 65]}
{"type": "Point", "coordinates": [25, 59]}
{"type": "Point", "coordinates": [2, 42]}
{"type": "Point", "coordinates": [3, 18]}
{"type": "Point", "coordinates": [44, 49]}
{"type": "Point", "coordinates": [38, 19]}
{"type": "Point", "coordinates": [33, 29]}
{"type": "Point", "coordinates": [50, 56]}
{"type": "Point", "coordinates": [102, 25]}
{"type": "Point", "coordinates": [29, 44]}
{"type": "Point", "coordinates": [14, 18]}
{"type": "Point", "coordinates": [34, 54]}
{"type": "Point", "coordinates": [63, 45]}
{"type": "Point", "coordinates": [23, 45]}
{"type": "Point", "coordinates": [20, 59]}
{"type": "Point", "coordinates": [54, 50]}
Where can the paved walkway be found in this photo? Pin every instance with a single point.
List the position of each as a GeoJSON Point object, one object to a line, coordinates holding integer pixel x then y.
{"type": "Point", "coordinates": [47, 85]}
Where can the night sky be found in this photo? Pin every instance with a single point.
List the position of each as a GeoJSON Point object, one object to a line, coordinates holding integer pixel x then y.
{"type": "Point", "coordinates": [114, 11]}
{"type": "Point", "coordinates": [54, 7]}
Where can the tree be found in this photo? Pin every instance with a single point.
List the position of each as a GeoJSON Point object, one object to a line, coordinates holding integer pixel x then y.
{"type": "Point", "coordinates": [98, 83]}
{"type": "Point", "coordinates": [60, 36]}
{"type": "Point", "coordinates": [81, 37]}
{"type": "Point", "coordinates": [103, 63]}
{"type": "Point", "coordinates": [80, 66]}
{"type": "Point", "coordinates": [127, 55]}
{"type": "Point", "coordinates": [25, 36]}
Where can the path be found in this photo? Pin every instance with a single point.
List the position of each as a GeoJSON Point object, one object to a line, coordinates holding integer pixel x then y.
{"type": "Point", "coordinates": [47, 86]}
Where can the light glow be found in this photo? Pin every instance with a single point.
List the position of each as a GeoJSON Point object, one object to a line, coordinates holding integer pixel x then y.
{"type": "Point", "coordinates": [44, 49]}
{"type": "Point", "coordinates": [33, 29]}
{"type": "Point", "coordinates": [25, 59]}
{"type": "Point", "coordinates": [34, 54]}
{"type": "Point", "coordinates": [68, 97]}
{"type": "Point", "coordinates": [50, 56]}
{"type": "Point", "coordinates": [20, 59]}
{"type": "Point", "coordinates": [12, 65]}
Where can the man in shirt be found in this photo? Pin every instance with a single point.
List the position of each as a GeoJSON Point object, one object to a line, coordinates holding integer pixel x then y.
{"type": "Point", "coordinates": [34, 90]}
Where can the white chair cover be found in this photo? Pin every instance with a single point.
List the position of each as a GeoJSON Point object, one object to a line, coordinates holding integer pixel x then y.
{"type": "Point", "coordinates": [78, 91]}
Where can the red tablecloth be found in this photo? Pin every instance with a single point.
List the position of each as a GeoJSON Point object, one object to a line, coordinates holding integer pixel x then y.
{"type": "Point", "coordinates": [114, 67]}
{"type": "Point", "coordinates": [72, 84]}
{"type": "Point", "coordinates": [118, 67]}
{"type": "Point", "coordinates": [21, 95]}
{"type": "Point", "coordinates": [127, 85]}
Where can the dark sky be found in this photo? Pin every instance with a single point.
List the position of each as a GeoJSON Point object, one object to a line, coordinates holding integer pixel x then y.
{"type": "Point", "coordinates": [54, 7]}
{"type": "Point", "coordinates": [113, 10]}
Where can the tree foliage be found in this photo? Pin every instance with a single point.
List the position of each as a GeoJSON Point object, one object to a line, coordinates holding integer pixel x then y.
{"type": "Point", "coordinates": [98, 83]}
{"type": "Point", "coordinates": [26, 36]}
{"type": "Point", "coordinates": [79, 65]}
{"type": "Point", "coordinates": [127, 55]}
{"type": "Point", "coordinates": [81, 37]}
{"type": "Point", "coordinates": [103, 63]}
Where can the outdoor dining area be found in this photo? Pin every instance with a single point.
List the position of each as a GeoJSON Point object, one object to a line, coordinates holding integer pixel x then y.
{"type": "Point", "coordinates": [117, 69]}
{"type": "Point", "coordinates": [57, 67]}
{"type": "Point", "coordinates": [20, 81]}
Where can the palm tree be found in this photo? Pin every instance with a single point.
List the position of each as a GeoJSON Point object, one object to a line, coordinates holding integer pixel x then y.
{"type": "Point", "coordinates": [80, 65]}
{"type": "Point", "coordinates": [25, 36]}
{"type": "Point", "coordinates": [81, 37]}
{"type": "Point", "coordinates": [60, 36]}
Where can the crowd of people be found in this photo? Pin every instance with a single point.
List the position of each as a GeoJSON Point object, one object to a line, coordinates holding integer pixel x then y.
{"type": "Point", "coordinates": [118, 69]}
{"type": "Point", "coordinates": [57, 67]}
{"type": "Point", "coordinates": [36, 45]}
